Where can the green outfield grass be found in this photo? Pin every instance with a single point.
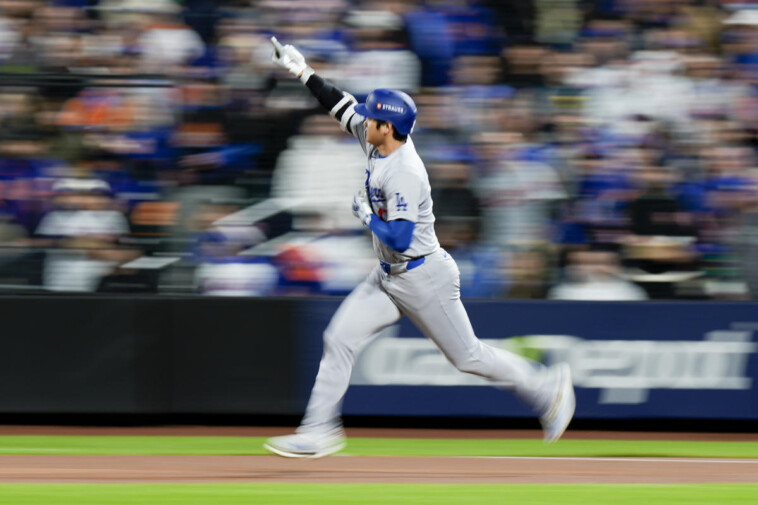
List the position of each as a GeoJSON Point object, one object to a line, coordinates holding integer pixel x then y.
{"type": "Point", "coordinates": [374, 494]}
{"type": "Point", "coordinates": [377, 447]}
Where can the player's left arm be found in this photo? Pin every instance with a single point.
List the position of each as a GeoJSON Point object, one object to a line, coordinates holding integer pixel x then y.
{"type": "Point", "coordinates": [396, 234]}
{"type": "Point", "coordinates": [402, 192]}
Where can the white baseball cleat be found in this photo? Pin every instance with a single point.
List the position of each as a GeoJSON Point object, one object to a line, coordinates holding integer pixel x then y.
{"type": "Point", "coordinates": [558, 416]}
{"type": "Point", "coordinates": [305, 445]}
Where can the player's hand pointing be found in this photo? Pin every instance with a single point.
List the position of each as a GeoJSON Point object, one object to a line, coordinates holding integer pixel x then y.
{"type": "Point", "coordinates": [361, 208]}
{"type": "Point", "coordinates": [291, 59]}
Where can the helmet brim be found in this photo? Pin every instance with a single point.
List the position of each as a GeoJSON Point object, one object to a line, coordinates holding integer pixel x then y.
{"type": "Point", "coordinates": [363, 111]}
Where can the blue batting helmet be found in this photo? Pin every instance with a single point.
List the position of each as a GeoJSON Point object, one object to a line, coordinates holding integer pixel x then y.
{"type": "Point", "coordinates": [392, 106]}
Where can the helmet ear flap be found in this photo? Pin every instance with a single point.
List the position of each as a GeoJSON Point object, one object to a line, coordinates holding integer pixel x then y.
{"type": "Point", "coordinates": [412, 127]}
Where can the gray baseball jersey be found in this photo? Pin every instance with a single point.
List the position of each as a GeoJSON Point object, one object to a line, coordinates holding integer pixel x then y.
{"type": "Point", "coordinates": [429, 295]}
{"type": "Point", "coordinates": [398, 188]}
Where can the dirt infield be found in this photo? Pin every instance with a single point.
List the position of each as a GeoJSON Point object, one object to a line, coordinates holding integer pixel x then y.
{"type": "Point", "coordinates": [338, 469]}
{"type": "Point", "coordinates": [345, 468]}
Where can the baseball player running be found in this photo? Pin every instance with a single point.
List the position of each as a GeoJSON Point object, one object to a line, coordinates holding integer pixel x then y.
{"type": "Point", "coordinates": [414, 276]}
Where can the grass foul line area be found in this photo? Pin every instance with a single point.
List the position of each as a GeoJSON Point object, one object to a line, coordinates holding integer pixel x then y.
{"type": "Point", "coordinates": [372, 494]}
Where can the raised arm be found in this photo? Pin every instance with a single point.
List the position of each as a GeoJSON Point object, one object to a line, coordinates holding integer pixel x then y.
{"type": "Point", "coordinates": [340, 104]}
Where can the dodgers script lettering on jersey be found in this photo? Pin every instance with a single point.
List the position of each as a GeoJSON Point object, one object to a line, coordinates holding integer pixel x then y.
{"type": "Point", "coordinates": [377, 199]}
{"type": "Point", "coordinates": [398, 188]}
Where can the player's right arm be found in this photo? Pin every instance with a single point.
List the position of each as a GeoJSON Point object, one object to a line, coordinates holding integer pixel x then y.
{"type": "Point", "coordinates": [340, 104]}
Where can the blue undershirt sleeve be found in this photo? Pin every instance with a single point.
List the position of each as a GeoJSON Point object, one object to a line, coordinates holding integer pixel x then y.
{"type": "Point", "coordinates": [396, 234]}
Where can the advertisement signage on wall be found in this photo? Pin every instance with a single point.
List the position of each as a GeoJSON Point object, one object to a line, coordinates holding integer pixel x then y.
{"type": "Point", "coordinates": [629, 360]}
{"type": "Point", "coordinates": [623, 371]}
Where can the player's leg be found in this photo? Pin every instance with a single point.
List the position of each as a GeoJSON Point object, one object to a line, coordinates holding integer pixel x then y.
{"type": "Point", "coordinates": [366, 311]}
{"type": "Point", "coordinates": [429, 296]}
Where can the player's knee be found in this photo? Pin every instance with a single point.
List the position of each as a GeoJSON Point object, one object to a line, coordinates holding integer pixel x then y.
{"type": "Point", "coordinates": [330, 338]}
{"type": "Point", "coordinates": [333, 342]}
{"type": "Point", "coordinates": [470, 364]}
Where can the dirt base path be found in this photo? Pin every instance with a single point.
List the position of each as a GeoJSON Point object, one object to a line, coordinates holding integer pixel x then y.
{"type": "Point", "coordinates": [345, 468]}
{"type": "Point", "coordinates": [342, 469]}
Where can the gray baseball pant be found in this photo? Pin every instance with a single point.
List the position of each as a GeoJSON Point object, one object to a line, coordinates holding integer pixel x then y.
{"type": "Point", "coordinates": [430, 296]}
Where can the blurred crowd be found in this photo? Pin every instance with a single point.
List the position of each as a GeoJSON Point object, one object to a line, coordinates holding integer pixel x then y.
{"type": "Point", "coordinates": [586, 150]}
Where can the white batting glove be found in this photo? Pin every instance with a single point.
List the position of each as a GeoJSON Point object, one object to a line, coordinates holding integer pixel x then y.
{"type": "Point", "coordinates": [292, 60]}
{"type": "Point", "coordinates": [361, 208]}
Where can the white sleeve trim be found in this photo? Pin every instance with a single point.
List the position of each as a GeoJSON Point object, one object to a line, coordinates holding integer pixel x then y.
{"type": "Point", "coordinates": [347, 98]}
{"type": "Point", "coordinates": [347, 117]}
{"type": "Point", "coordinates": [307, 73]}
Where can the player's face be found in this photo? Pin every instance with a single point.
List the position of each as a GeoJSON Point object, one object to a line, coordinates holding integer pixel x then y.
{"type": "Point", "coordinates": [375, 135]}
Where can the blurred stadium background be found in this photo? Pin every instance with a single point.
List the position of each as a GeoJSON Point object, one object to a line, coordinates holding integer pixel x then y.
{"type": "Point", "coordinates": [577, 149]}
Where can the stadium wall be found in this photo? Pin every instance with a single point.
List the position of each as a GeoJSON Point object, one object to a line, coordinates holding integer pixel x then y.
{"type": "Point", "coordinates": [187, 356]}
{"type": "Point", "coordinates": [123, 355]}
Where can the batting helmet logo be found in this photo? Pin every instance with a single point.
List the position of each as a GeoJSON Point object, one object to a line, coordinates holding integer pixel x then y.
{"type": "Point", "coordinates": [379, 106]}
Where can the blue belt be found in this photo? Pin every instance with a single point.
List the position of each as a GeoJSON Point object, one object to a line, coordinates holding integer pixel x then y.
{"type": "Point", "coordinates": [397, 268]}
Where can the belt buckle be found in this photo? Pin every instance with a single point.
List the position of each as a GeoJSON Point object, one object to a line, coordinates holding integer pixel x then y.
{"type": "Point", "coordinates": [386, 267]}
